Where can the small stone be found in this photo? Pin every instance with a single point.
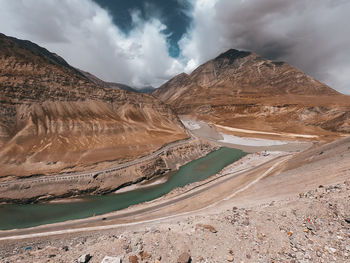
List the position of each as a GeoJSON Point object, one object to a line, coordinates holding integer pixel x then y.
{"type": "Point", "coordinates": [290, 233]}
{"type": "Point", "coordinates": [108, 259]}
{"type": "Point", "coordinates": [133, 259]}
{"type": "Point", "coordinates": [65, 248]}
{"type": "Point", "coordinates": [184, 258]}
{"type": "Point", "coordinates": [332, 250]}
{"type": "Point", "coordinates": [347, 220]}
{"type": "Point", "coordinates": [84, 258]}
{"type": "Point", "coordinates": [207, 227]}
{"type": "Point", "coordinates": [144, 255]}
{"type": "Point", "coordinates": [230, 258]}
{"type": "Point", "coordinates": [246, 222]}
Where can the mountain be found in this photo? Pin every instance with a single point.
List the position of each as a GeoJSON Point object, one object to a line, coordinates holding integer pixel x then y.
{"type": "Point", "coordinates": [54, 118]}
{"type": "Point", "coordinates": [105, 84]}
{"type": "Point", "coordinates": [114, 85]}
{"type": "Point", "coordinates": [241, 89]}
{"type": "Point", "coordinates": [146, 89]}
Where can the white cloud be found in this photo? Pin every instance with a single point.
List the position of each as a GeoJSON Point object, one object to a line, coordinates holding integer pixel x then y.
{"type": "Point", "coordinates": [312, 35]}
{"type": "Point", "coordinates": [84, 34]}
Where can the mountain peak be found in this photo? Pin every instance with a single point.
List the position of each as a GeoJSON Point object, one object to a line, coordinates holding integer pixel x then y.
{"type": "Point", "coordinates": [232, 55]}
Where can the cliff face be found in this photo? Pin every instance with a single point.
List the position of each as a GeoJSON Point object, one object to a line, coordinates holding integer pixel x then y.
{"type": "Point", "coordinates": [52, 117]}
{"type": "Point", "coordinates": [241, 89]}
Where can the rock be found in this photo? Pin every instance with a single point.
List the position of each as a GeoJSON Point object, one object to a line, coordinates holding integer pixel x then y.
{"type": "Point", "coordinates": [126, 246]}
{"type": "Point", "coordinates": [65, 248]}
{"type": "Point", "coordinates": [207, 227]}
{"type": "Point", "coordinates": [332, 250]}
{"type": "Point", "coordinates": [245, 222]}
{"type": "Point", "coordinates": [133, 259]}
{"type": "Point", "coordinates": [184, 258]}
{"type": "Point", "coordinates": [144, 255]}
{"type": "Point", "coordinates": [230, 258]}
{"type": "Point", "coordinates": [347, 220]}
{"type": "Point", "coordinates": [108, 259]}
{"type": "Point", "coordinates": [84, 258]}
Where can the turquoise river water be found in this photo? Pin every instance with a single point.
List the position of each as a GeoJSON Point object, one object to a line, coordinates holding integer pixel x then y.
{"type": "Point", "coordinates": [23, 216]}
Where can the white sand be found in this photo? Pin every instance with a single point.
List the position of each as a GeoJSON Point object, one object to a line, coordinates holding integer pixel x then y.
{"type": "Point", "coordinates": [249, 141]}
{"type": "Point", "coordinates": [269, 133]}
{"type": "Point", "coordinates": [191, 125]}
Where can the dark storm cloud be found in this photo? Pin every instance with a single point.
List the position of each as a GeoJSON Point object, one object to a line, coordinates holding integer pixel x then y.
{"type": "Point", "coordinates": [85, 35]}
{"type": "Point", "coordinates": [312, 35]}
{"type": "Point", "coordinates": [172, 13]}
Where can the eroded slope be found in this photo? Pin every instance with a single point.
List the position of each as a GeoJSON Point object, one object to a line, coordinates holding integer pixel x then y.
{"type": "Point", "coordinates": [52, 117]}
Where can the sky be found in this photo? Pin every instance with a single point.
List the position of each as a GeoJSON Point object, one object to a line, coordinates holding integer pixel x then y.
{"type": "Point", "coordinates": [146, 42]}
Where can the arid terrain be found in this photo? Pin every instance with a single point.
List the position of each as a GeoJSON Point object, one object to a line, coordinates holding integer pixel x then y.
{"type": "Point", "coordinates": [242, 90]}
{"type": "Point", "coordinates": [65, 133]}
{"type": "Point", "coordinates": [293, 213]}
{"type": "Point", "coordinates": [54, 119]}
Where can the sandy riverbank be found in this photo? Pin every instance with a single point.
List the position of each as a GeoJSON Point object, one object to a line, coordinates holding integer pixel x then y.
{"type": "Point", "coordinates": [247, 140]}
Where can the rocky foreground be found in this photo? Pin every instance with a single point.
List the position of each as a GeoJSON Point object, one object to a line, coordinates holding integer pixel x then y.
{"type": "Point", "coordinates": [312, 226]}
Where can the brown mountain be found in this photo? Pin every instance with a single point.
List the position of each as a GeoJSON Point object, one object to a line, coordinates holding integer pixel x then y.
{"type": "Point", "coordinates": [241, 89]}
{"type": "Point", "coordinates": [53, 117]}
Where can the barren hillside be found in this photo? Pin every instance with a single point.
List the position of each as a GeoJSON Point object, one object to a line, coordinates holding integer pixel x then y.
{"type": "Point", "coordinates": [52, 117]}
{"type": "Point", "coordinates": [241, 89]}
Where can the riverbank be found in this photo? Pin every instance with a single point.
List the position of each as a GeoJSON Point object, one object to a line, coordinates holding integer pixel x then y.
{"type": "Point", "coordinates": [248, 140]}
{"type": "Point", "coordinates": [14, 216]}
{"type": "Point", "coordinates": [280, 210]}
{"type": "Point", "coordinates": [48, 188]}
{"type": "Point", "coordinates": [266, 232]}
{"type": "Point", "coordinates": [202, 193]}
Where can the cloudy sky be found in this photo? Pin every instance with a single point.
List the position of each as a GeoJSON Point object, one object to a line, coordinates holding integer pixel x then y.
{"type": "Point", "coordinates": [146, 42]}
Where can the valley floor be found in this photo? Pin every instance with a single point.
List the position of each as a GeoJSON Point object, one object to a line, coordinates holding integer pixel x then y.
{"type": "Point", "coordinates": [278, 207]}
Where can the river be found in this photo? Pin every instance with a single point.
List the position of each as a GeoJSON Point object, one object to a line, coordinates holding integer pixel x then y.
{"type": "Point", "coordinates": [30, 215]}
